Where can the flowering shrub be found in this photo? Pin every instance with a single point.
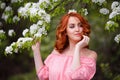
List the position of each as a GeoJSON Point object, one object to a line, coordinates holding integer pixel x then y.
{"type": "Point", "coordinates": [40, 13]}
{"type": "Point", "coordinates": [36, 12]}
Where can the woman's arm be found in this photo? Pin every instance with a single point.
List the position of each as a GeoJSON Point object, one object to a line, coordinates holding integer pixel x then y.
{"type": "Point", "coordinates": [76, 57]}
{"type": "Point", "coordinates": [83, 70]}
{"type": "Point", "coordinates": [37, 56]}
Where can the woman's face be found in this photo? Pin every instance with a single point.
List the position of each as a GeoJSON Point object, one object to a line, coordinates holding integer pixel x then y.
{"type": "Point", "coordinates": [74, 29]}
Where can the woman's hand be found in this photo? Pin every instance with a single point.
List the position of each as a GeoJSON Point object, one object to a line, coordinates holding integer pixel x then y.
{"type": "Point", "coordinates": [36, 46]}
{"type": "Point", "coordinates": [37, 56]}
{"type": "Point", "coordinates": [83, 43]}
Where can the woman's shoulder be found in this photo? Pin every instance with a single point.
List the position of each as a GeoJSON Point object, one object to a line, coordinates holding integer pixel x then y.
{"type": "Point", "coordinates": [51, 56]}
{"type": "Point", "coordinates": [53, 53]}
{"type": "Point", "coordinates": [91, 54]}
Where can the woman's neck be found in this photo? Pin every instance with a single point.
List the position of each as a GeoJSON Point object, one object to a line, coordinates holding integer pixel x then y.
{"type": "Point", "coordinates": [71, 46]}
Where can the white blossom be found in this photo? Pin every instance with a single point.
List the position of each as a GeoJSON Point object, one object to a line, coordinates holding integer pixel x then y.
{"type": "Point", "coordinates": [16, 50]}
{"type": "Point", "coordinates": [37, 35]}
{"type": "Point", "coordinates": [5, 17]}
{"type": "Point", "coordinates": [14, 1]}
{"type": "Point", "coordinates": [41, 12]}
{"type": "Point", "coordinates": [20, 0]}
{"type": "Point", "coordinates": [40, 22]}
{"type": "Point", "coordinates": [40, 32]}
{"type": "Point", "coordinates": [11, 32]}
{"type": "Point", "coordinates": [117, 38]}
{"type": "Point", "coordinates": [114, 5]}
{"type": "Point", "coordinates": [35, 5]}
{"type": "Point", "coordinates": [118, 9]}
{"type": "Point", "coordinates": [16, 18]}
{"type": "Point", "coordinates": [85, 11]}
{"type": "Point", "coordinates": [109, 24]}
{"type": "Point", "coordinates": [100, 2]}
{"type": "Point", "coordinates": [28, 5]}
{"type": "Point", "coordinates": [33, 28]}
{"type": "Point", "coordinates": [9, 49]}
{"type": "Point", "coordinates": [25, 31]}
{"type": "Point", "coordinates": [41, 1]}
{"type": "Point", "coordinates": [113, 14]}
{"type": "Point", "coordinates": [104, 11]}
{"type": "Point", "coordinates": [73, 10]}
{"type": "Point", "coordinates": [2, 32]}
{"type": "Point", "coordinates": [2, 5]}
{"type": "Point", "coordinates": [33, 11]}
{"type": "Point", "coordinates": [13, 44]}
{"type": "Point", "coordinates": [23, 11]}
{"type": "Point", "coordinates": [8, 8]}
{"type": "Point", "coordinates": [95, 1]}
{"type": "Point", "coordinates": [55, 0]}
{"type": "Point", "coordinates": [23, 40]}
{"type": "Point", "coordinates": [47, 18]}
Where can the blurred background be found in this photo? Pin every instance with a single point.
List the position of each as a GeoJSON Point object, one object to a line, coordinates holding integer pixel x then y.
{"type": "Point", "coordinates": [20, 66]}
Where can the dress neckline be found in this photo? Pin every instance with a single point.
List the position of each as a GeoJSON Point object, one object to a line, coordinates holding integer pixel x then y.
{"type": "Point", "coordinates": [71, 56]}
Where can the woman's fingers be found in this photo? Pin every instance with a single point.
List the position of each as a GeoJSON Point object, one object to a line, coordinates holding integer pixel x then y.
{"type": "Point", "coordinates": [36, 45]}
{"type": "Point", "coordinates": [86, 38]}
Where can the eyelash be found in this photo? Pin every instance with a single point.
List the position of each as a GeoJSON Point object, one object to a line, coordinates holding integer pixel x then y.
{"type": "Point", "coordinates": [74, 26]}
{"type": "Point", "coordinates": [80, 25]}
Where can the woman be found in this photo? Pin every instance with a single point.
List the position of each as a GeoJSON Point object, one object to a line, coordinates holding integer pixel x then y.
{"type": "Point", "coordinates": [71, 59]}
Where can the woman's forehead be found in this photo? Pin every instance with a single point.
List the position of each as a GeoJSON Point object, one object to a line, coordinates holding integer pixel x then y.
{"type": "Point", "coordinates": [73, 19]}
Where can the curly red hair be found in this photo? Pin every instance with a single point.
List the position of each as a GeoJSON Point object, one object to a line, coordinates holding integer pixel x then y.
{"type": "Point", "coordinates": [61, 37]}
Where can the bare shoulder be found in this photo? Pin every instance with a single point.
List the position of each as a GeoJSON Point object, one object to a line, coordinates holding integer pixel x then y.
{"type": "Point", "coordinates": [55, 51]}
{"type": "Point", "coordinates": [92, 54]}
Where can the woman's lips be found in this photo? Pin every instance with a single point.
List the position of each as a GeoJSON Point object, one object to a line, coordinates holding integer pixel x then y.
{"type": "Point", "coordinates": [77, 34]}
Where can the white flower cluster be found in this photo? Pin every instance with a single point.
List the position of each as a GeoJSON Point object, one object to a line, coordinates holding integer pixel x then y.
{"type": "Point", "coordinates": [15, 46]}
{"type": "Point", "coordinates": [11, 32]}
{"type": "Point", "coordinates": [2, 32]}
{"type": "Point", "coordinates": [115, 10]}
{"type": "Point", "coordinates": [7, 13]}
{"type": "Point", "coordinates": [111, 25]}
{"type": "Point", "coordinates": [36, 30]}
{"type": "Point", "coordinates": [2, 5]}
{"type": "Point", "coordinates": [16, 1]}
{"type": "Point", "coordinates": [2, 35]}
{"type": "Point", "coordinates": [117, 38]}
{"type": "Point", "coordinates": [104, 11]}
{"type": "Point", "coordinates": [34, 10]}
{"type": "Point", "coordinates": [84, 11]}
{"type": "Point", "coordinates": [100, 2]}
{"type": "Point", "coordinates": [16, 19]}
{"type": "Point", "coordinates": [9, 49]}
{"type": "Point", "coordinates": [72, 11]}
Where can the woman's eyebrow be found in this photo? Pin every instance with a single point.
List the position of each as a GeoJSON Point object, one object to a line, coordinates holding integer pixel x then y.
{"type": "Point", "coordinates": [79, 23]}
{"type": "Point", "coordinates": [71, 24]}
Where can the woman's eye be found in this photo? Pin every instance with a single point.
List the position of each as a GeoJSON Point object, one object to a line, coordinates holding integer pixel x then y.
{"type": "Point", "coordinates": [71, 26]}
{"type": "Point", "coordinates": [80, 25]}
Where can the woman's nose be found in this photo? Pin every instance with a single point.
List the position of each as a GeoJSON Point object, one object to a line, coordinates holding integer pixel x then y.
{"type": "Point", "coordinates": [77, 28]}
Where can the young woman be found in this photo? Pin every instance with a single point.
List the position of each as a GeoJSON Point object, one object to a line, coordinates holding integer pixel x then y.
{"type": "Point", "coordinates": [71, 58]}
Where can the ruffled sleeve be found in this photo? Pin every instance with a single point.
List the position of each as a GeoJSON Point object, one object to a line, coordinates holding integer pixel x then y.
{"type": "Point", "coordinates": [86, 71]}
{"type": "Point", "coordinates": [43, 73]}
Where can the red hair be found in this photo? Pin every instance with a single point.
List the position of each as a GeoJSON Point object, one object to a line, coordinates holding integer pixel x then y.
{"type": "Point", "coordinates": [61, 37]}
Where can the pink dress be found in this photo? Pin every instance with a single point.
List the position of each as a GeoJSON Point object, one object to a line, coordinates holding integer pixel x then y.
{"type": "Point", "coordinates": [57, 67]}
